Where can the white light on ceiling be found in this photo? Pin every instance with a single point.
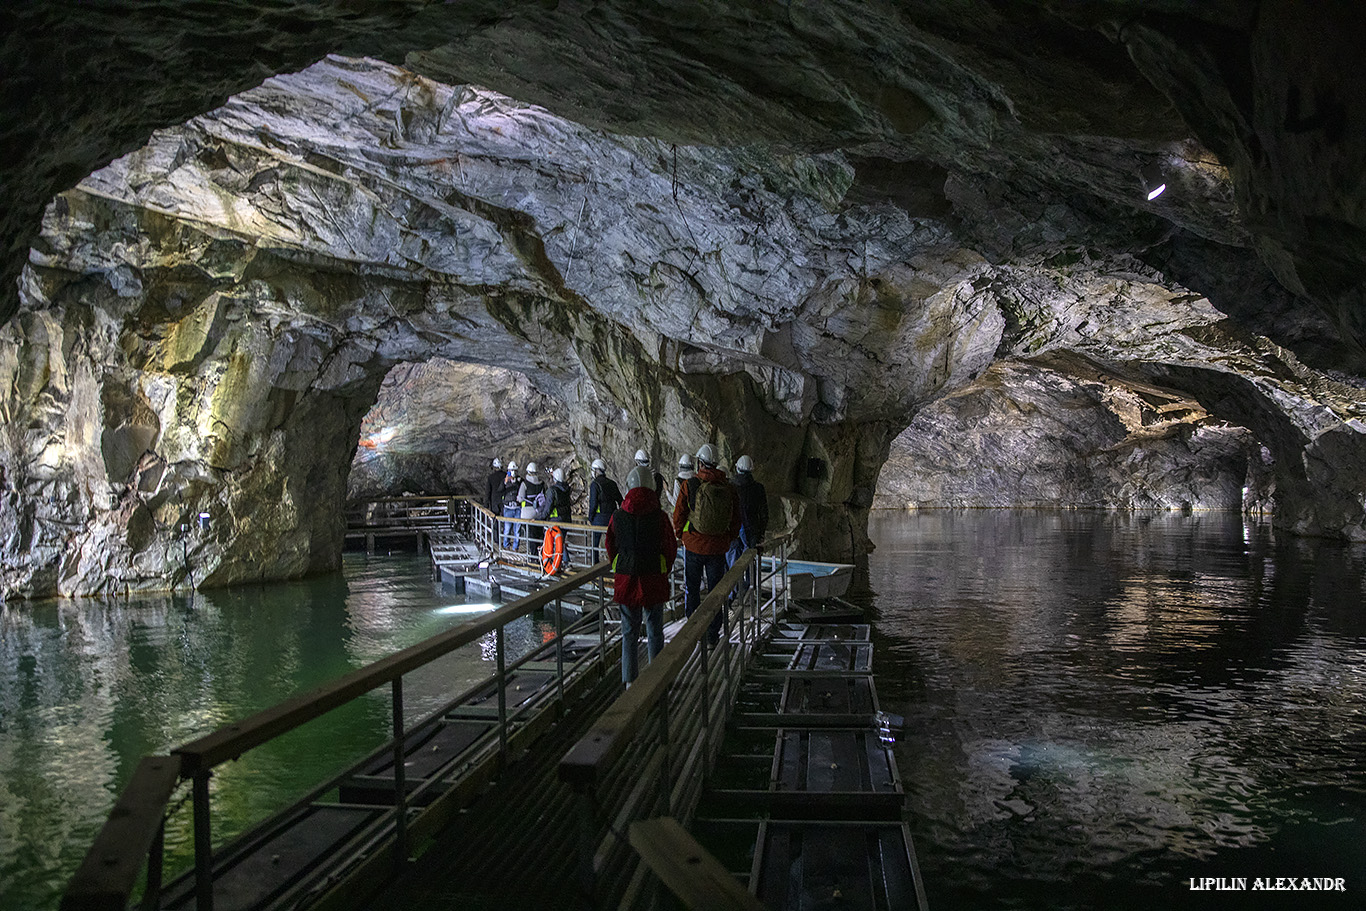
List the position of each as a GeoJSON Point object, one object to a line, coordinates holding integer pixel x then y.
{"type": "Point", "coordinates": [1154, 180]}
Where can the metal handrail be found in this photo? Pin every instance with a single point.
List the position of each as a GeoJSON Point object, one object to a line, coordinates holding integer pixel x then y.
{"type": "Point", "coordinates": [108, 874]}
{"type": "Point", "coordinates": [648, 753]}
{"type": "Point", "coordinates": [232, 740]}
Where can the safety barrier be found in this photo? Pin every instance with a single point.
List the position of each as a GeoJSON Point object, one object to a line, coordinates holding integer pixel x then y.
{"type": "Point", "coordinates": [513, 541]}
{"type": "Point", "coordinates": [133, 837]}
{"type": "Point", "coordinates": [649, 754]}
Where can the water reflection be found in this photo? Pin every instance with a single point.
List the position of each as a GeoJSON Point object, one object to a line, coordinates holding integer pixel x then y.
{"type": "Point", "coordinates": [1101, 706]}
{"type": "Point", "coordinates": [88, 687]}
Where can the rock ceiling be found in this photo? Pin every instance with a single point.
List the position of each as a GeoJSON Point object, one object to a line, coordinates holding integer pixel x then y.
{"type": "Point", "coordinates": [790, 228]}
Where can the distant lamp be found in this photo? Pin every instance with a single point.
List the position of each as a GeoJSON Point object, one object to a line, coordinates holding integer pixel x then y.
{"type": "Point", "coordinates": [203, 521]}
{"type": "Point", "coordinates": [1154, 180]}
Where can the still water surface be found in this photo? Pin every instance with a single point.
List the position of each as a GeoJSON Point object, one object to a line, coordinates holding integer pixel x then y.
{"type": "Point", "coordinates": [88, 687]}
{"type": "Point", "coordinates": [1098, 707]}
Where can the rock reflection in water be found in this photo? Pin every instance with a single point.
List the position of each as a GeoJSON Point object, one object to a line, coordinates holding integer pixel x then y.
{"type": "Point", "coordinates": [1100, 706]}
{"type": "Point", "coordinates": [88, 687]}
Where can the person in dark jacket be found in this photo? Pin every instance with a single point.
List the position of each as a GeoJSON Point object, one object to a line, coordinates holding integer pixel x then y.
{"type": "Point", "coordinates": [604, 497]}
{"type": "Point", "coordinates": [687, 470]}
{"type": "Point", "coordinates": [753, 517]}
{"type": "Point", "coordinates": [512, 482]}
{"type": "Point", "coordinates": [642, 548]}
{"type": "Point", "coordinates": [560, 504]}
{"type": "Point", "coordinates": [643, 461]}
{"type": "Point", "coordinates": [493, 492]}
{"type": "Point", "coordinates": [704, 552]}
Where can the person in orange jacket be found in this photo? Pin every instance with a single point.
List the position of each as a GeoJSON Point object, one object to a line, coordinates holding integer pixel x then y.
{"type": "Point", "coordinates": [707, 520]}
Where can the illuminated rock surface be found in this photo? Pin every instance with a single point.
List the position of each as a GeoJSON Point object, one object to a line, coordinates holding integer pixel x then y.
{"type": "Point", "coordinates": [794, 236]}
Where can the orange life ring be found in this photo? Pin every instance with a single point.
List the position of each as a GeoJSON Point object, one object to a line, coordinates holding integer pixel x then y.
{"type": "Point", "coordinates": [552, 550]}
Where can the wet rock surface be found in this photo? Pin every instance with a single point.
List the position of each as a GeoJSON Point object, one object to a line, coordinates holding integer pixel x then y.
{"type": "Point", "coordinates": [795, 233]}
{"type": "Point", "coordinates": [1040, 437]}
{"type": "Point", "coordinates": [438, 426]}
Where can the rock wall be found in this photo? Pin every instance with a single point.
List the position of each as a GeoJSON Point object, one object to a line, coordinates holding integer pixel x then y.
{"type": "Point", "coordinates": [1024, 434]}
{"type": "Point", "coordinates": [204, 323]}
{"type": "Point", "coordinates": [438, 425]}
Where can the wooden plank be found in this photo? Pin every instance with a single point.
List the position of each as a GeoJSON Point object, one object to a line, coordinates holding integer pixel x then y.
{"type": "Point", "coordinates": [698, 879]}
{"type": "Point", "coordinates": [818, 806]}
{"type": "Point", "coordinates": [107, 875]}
{"type": "Point", "coordinates": [808, 720]}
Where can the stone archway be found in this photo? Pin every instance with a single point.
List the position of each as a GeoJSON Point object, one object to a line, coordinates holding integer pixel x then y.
{"type": "Point", "coordinates": [437, 426]}
{"type": "Point", "coordinates": [205, 322]}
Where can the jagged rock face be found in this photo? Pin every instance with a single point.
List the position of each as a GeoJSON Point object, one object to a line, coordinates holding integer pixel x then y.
{"type": "Point", "coordinates": [238, 290]}
{"type": "Point", "coordinates": [1024, 434]}
{"type": "Point", "coordinates": [437, 427]}
{"type": "Point", "coordinates": [803, 226]}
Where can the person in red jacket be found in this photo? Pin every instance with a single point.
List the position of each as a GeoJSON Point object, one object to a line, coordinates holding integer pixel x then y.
{"type": "Point", "coordinates": [641, 545]}
{"type": "Point", "coordinates": [707, 519]}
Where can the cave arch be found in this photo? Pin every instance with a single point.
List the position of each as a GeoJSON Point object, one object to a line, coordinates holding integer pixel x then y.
{"type": "Point", "coordinates": [205, 322]}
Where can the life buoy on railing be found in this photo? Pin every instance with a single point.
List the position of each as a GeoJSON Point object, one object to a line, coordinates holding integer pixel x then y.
{"type": "Point", "coordinates": [552, 550]}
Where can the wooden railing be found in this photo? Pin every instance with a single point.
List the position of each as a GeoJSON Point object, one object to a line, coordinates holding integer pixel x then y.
{"type": "Point", "coordinates": [132, 837]}
{"type": "Point", "coordinates": [648, 755]}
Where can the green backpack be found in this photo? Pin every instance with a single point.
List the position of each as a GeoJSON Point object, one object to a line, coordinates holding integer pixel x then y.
{"type": "Point", "coordinates": [710, 509]}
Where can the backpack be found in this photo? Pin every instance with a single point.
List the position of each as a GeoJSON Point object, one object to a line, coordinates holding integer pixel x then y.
{"type": "Point", "coordinates": [541, 503]}
{"type": "Point", "coordinates": [709, 511]}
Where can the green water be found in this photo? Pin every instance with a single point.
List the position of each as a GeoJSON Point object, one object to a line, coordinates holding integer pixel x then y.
{"type": "Point", "coordinates": [88, 687]}
{"type": "Point", "coordinates": [1098, 707]}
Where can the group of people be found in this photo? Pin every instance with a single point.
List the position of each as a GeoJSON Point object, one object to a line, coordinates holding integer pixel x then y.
{"type": "Point", "coordinates": [715, 520]}
{"type": "Point", "coordinates": [525, 496]}
{"type": "Point", "coordinates": [714, 517]}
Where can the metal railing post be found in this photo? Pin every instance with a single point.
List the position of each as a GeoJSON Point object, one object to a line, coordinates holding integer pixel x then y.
{"type": "Point", "coordinates": [602, 629]}
{"type": "Point", "coordinates": [787, 589]}
{"type": "Point", "coordinates": [559, 647]}
{"type": "Point", "coordinates": [501, 681]}
{"type": "Point", "coordinates": [726, 649]}
{"type": "Point", "coordinates": [151, 895]}
{"type": "Point", "coordinates": [666, 775]}
{"type": "Point", "coordinates": [755, 605]}
{"type": "Point", "coordinates": [705, 677]}
{"type": "Point", "coordinates": [587, 848]}
{"type": "Point", "coordinates": [400, 777]}
{"type": "Point", "coordinates": [203, 844]}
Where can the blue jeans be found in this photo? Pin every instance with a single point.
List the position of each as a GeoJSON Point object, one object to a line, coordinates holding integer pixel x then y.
{"type": "Point", "coordinates": [737, 547]}
{"type": "Point", "coordinates": [694, 564]}
{"type": "Point", "coordinates": [511, 532]}
{"type": "Point", "coordinates": [630, 636]}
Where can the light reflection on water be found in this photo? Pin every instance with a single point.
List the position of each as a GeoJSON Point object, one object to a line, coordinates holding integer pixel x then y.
{"type": "Point", "coordinates": [88, 687]}
{"type": "Point", "coordinates": [1100, 706]}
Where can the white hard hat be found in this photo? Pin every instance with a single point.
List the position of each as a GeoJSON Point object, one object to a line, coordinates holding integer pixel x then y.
{"type": "Point", "coordinates": [685, 461]}
{"type": "Point", "coordinates": [638, 477]}
{"type": "Point", "coordinates": [497, 462]}
{"type": "Point", "coordinates": [642, 458]}
{"type": "Point", "coordinates": [707, 454]}
{"type": "Point", "coordinates": [599, 465]}
{"type": "Point", "coordinates": [557, 474]}
{"type": "Point", "coordinates": [530, 467]}
{"type": "Point", "coordinates": [512, 464]}
{"type": "Point", "coordinates": [744, 463]}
